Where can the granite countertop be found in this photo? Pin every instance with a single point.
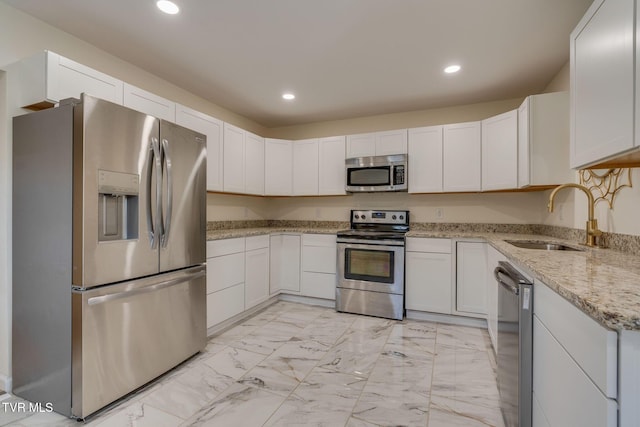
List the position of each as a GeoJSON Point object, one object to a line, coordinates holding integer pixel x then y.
{"type": "Point", "coordinates": [257, 231]}
{"type": "Point", "coordinates": [603, 283]}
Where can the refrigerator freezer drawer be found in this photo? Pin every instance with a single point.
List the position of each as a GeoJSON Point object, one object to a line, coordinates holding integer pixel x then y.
{"type": "Point", "coordinates": [127, 334]}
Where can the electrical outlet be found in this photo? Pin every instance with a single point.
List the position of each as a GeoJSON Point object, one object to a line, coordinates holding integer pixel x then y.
{"type": "Point", "coordinates": [318, 213]}
{"type": "Point", "coordinates": [439, 213]}
{"type": "Point", "coordinates": [246, 212]}
{"type": "Point", "coordinates": [560, 213]}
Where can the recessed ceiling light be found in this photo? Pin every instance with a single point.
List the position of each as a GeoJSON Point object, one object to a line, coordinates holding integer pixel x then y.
{"type": "Point", "coordinates": [452, 69]}
{"type": "Point", "coordinates": [288, 96]}
{"type": "Point", "coordinates": [168, 7]}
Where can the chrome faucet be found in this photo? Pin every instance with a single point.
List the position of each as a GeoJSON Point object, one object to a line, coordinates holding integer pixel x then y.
{"type": "Point", "coordinates": [592, 223]}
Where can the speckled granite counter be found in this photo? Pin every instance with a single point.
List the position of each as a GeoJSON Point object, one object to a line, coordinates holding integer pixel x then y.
{"type": "Point", "coordinates": [603, 283]}
{"type": "Point", "coordinates": [256, 231]}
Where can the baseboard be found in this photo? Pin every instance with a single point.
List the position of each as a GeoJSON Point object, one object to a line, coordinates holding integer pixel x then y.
{"type": "Point", "coordinates": [447, 318]}
{"type": "Point", "coordinates": [5, 383]}
{"type": "Point", "coordinates": [238, 318]}
{"type": "Point", "coordinates": [308, 300]}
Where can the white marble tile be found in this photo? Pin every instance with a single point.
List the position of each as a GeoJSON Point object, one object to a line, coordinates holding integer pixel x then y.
{"type": "Point", "coordinates": [240, 405]}
{"type": "Point", "coordinates": [270, 379]}
{"type": "Point", "coordinates": [233, 362]}
{"type": "Point", "coordinates": [355, 422]}
{"type": "Point", "coordinates": [139, 415]}
{"type": "Point", "coordinates": [190, 391]}
{"type": "Point", "coordinates": [349, 362]}
{"type": "Point", "coordinates": [447, 412]}
{"type": "Point", "coordinates": [454, 338]}
{"type": "Point", "coordinates": [323, 399]}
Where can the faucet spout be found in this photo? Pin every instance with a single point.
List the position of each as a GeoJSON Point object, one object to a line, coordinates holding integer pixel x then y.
{"type": "Point", "coordinates": [592, 223]}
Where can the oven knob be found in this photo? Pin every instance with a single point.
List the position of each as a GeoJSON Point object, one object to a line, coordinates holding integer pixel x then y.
{"type": "Point", "coordinates": [401, 217]}
{"type": "Point", "coordinates": [357, 216]}
{"type": "Point", "coordinates": [393, 217]}
{"type": "Point", "coordinates": [362, 216]}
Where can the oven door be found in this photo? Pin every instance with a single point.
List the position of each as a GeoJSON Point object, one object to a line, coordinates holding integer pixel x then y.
{"type": "Point", "coordinates": [371, 267]}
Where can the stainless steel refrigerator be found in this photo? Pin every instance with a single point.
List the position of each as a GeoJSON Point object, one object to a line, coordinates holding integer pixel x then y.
{"type": "Point", "coordinates": [109, 222]}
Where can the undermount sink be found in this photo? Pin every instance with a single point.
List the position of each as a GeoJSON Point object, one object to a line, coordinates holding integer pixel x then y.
{"type": "Point", "coordinates": [538, 244]}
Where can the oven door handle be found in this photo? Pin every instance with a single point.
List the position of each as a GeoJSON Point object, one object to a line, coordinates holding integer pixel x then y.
{"type": "Point", "coordinates": [362, 243]}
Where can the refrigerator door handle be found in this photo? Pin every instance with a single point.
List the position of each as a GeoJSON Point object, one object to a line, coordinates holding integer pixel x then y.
{"type": "Point", "coordinates": [125, 294]}
{"type": "Point", "coordinates": [167, 165]}
{"type": "Point", "coordinates": [154, 161]}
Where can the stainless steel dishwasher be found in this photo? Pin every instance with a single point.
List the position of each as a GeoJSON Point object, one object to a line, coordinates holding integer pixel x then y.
{"type": "Point", "coordinates": [515, 345]}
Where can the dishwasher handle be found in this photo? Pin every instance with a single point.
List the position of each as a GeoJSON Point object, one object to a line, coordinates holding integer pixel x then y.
{"type": "Point", "coordinates": [504, 278]}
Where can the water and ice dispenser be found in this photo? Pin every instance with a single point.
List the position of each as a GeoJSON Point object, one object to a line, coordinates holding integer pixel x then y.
{"type": "Point", "coordinates": [118, 205]}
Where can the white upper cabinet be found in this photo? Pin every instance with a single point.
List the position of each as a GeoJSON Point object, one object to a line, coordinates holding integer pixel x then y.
{"type": "Point", "coordinates": [213, 129]}
{"type": "Point", "coordinates": [305, 167]}
{"type": "Point", "coordinates": [233, 159]}
{"type": "Point", "coordinates": [148, 103]}
{"type": "Point", "coordinates": [602, 83]}
{"type": "Point", "coordinates": [500, 151]}
{"type": "Point", "coordinates": [331, 166]}
{"type": "Point", "coordinates": [425, 160]}
{"type": "Point", "coordinates": [46, 78]}
{"type": "Point", "coordinates": [377, 143]}
{"type": "Point", "coordinates": [462, 156]}
{"type": "Point", "coordinates": [543, 135]}
{"type": "Point", "coordinates": [254, 164]}
{"type": "Point", "coordinates": [391, 142]}
{"type": "Point", "coordinates": [278, 167]}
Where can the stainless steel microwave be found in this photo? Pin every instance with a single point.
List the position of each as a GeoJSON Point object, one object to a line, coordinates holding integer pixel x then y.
{"type": "Point", "coordinates": [377, 173]}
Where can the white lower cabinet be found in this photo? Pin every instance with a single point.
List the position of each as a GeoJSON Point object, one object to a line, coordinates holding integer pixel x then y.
{"type": "Point", "coordinates": [574, 365]}
{"type": "Point", "coordinates": [256, 273]}
{"type": "Point", "coordinates": [284, 263]}
{"type": "Point", "coordinates": [225, 279]}
{"type": "Point", "coordinates": [471, 278]}
{"type": "Point", "coordinates": [429, 285]}
{"type": "Point", "coordinates": [319, 254]}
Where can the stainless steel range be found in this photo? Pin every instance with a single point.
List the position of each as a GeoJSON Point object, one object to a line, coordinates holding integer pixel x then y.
{"type": "Point", "coordinates": [371, 264]}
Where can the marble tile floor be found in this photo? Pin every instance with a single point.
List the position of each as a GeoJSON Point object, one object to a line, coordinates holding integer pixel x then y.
{"type": "Point", "coordinates": [300, 365]}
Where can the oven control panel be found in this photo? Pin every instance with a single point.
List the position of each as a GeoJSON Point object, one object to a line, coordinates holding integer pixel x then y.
{"type": "Point", "coordinates": [380, 217]}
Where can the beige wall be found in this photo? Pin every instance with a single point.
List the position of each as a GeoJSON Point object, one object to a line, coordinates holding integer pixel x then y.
{"type": "Point", "coordinates": [560, 81]}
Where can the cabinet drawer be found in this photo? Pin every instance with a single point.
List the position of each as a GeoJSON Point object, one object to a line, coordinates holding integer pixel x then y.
{"type": "Point", "coordinates": [225, 271]}
{"type": "Point", "coordinates": [591, 345]}
{"type": "Point", "coordinates": [421, 244]}
{"type": "Point", "coordinates": [224, 304]}
{"type": "Point", "coordinates": [257, 242]}
{"type": "Point", "coordinates": [224, 247]}
{"type": "Point", "coordinates": [318, 285]}
{"type": "Point", "coordinates": [325, 240]}
{"type": "Point", "coordinates": [566, 396]}
{"type": "Point", "coordinates": [319, 259]}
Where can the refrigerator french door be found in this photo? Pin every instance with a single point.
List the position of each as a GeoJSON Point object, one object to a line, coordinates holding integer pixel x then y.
{"type": "Point", "coordinates": [109, 209]}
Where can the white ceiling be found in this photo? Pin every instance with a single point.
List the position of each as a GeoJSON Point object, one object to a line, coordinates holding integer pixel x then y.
{"type": "Point", "coordinates": [342, 58]}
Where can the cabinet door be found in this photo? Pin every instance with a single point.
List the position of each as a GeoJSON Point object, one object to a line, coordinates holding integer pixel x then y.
{"type": "Point", "coordinates": [66, 78]}
{"type": "Point", "coordinates": [225, 271]}
{"type": "Point", "coordinates": [305, 167]}
{"type": "Point", "coordinates": [391, 142]}
{"type": "Point", "coordinates": [471, 280]}
{"type": "Point", "coordinates": [331, 166]}
{"type": "Point", "coordinates": [148, 103]}
{"type": "Point", "coordinates": [462, 157]}
{"type": "Point", "coordinates": [318, 285]}
{"type": "Point", "coordinates": [290, 267]}
{"type": "Point", "coordinates": [278, 167]}
{"type": "Point", "coordinates": [429, 284]}
{"type": "Point", "coordinates": [500, 151]}
{"type": "Point", "coordinates": [566, 396]}
{"type": "Point", "coordinates": [233, 159]}
{"type": "Point", "coordinates": [254, 164]}
{"type": "Point", "coordinates": [275, 263]}
{"type": "Point", "coordinates": [361, 145]}
{"type": "Point", "coordinates": [602, 82]}
{"type": "Point", "coordinates": [224, 304]}
{"type": "Point", "coordinates": [256, 282]}
{"type": "Point", "coordinates": [425, 160]}
{"type": "Point", "coordinates": [212, 128]}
